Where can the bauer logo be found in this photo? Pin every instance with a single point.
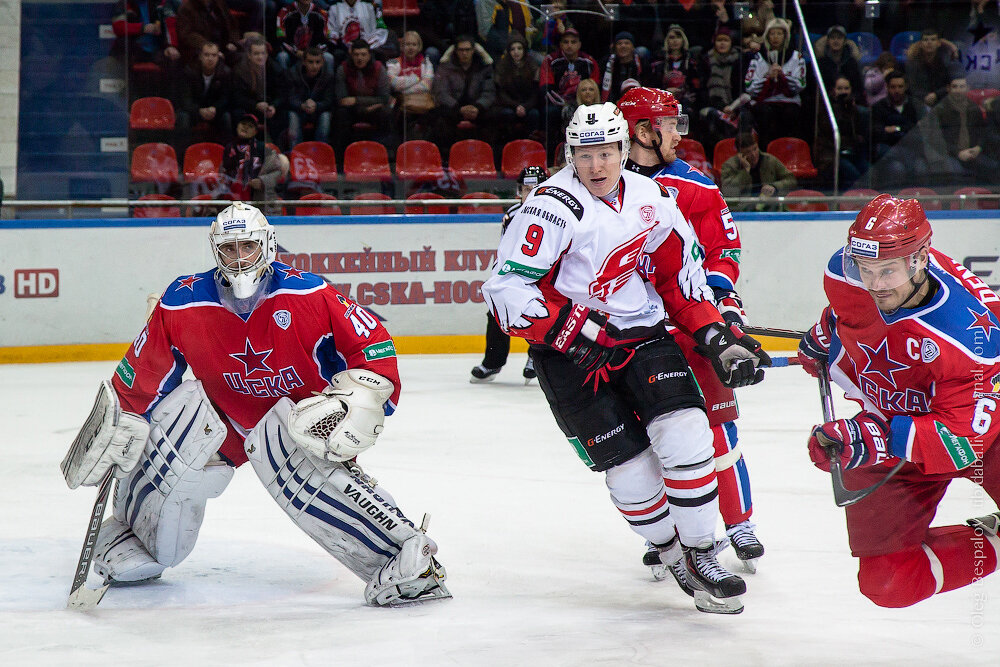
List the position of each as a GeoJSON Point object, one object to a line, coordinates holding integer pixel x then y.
{"type": "Point", "coordinates": [864, 248]}
{"type": "Point", "coordinates": [36, 283]}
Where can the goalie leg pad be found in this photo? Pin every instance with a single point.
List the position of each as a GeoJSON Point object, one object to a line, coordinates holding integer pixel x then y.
{"type": "Point", "coordinates": [163, 499]}
{"type": "Point", "coordinates": [330, 502]}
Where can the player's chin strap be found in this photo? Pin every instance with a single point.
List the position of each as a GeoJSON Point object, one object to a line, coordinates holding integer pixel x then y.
{"type": "Point", "coordinates": [916, 288]}
{"type": "Point", "coordinates": [654, 147]}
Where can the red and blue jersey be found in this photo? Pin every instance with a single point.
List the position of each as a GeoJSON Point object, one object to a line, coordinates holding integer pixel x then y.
{"type": "Point", "coordinates": [932, 371]}
{"type": "Point", "coordinates": [302, 334]}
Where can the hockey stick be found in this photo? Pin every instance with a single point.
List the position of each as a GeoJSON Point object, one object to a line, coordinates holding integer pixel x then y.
{"type": "Point", "coordinates": [782, 362]}
{"type": "Point", "coordinates": [774, 333]}
{"type": "Point", "coordinates": [82, 598]}
{"type": "Point", "coordinates": [843, 496]}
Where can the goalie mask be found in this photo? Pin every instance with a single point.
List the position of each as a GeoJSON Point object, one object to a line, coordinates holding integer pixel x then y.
{"type": "Point", "coordinates": [244, 246]}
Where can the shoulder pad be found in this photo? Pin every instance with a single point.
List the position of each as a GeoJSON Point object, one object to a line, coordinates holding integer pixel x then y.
{"type": "Point", "coordinates": [568, 200]}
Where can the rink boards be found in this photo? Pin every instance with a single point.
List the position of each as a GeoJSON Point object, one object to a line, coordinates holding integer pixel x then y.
{"type": "Point", "coordinates": [76, 289]}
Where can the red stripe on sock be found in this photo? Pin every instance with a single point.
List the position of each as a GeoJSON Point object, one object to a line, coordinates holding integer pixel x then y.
{"type": "Point", "coordinates": [649, 510]}
{"type": "Point", "coordinates": [690, 483]}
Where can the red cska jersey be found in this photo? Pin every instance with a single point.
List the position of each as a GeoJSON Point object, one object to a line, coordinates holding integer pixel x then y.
{"type": "Point", "coordinates": [932, 371]}
{"type": "Point", "coordinates": [302, 334]}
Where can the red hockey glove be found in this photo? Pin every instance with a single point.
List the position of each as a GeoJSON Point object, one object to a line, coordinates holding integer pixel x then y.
{"type": "Point", "coordinates": [730, 306]}
{"type": "Point", "coordinates": [814, 348]}
{"type": "Point", "coordinates": [861, 441]}
{"type": "Point", "coordinates": [584, 336]}
{"type": "Point", "coordinates": [737, 359]}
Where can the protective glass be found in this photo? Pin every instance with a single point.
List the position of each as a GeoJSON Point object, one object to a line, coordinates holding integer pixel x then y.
{"type": "Point", "coordinates": [668, 123]}
{"type": "Point", "coordinates": [880, 274]}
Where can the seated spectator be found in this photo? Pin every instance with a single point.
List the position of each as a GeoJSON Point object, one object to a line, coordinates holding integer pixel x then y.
{"type": "Point", "coordinates": [259, 86]}
{"type": "Point", "coordinates": [465, 92]}
{"type": "Point", "coordinates": [964, 131]}
{"type": "Point", "coordinates": [250, 170]}
{"type": "Point", "coordinates": [351, 20]}
{"type": "Point", "coordinates": [439, 21]}
{"type": "Point", "coordinates": [146, 33]}
{"type": "Point", "coordinates": [722, 94]}
{"type": "Point", "coordinates": [855, 128]}
{"type": "Point", "coordinates": [310, 98]}
{"type": "Point", "coordinates": [775, 81]}
{"type": "Point", "coordinates": [561, 72]}
{"type": "Point", "coordinates": [300, 25]}
{"type": "Point", "coordinates": [516, 80]}
{"type": "Point", "coordinates": [363, 95]}
{"type": "Point", "coordinates": [676, 70]}
{"type": "Point", "coordinates": [621, 64]}
{"type": "Point", "coordinates": [838, 56]}
{"type": "Point", "coordinates": [200, 21]}
{"type": "Point", "coordinates": [898, 150]}
{"type": "Point", "coordinates": [411, 79]}
{"type": "Point", "coordinates": [549, 28]}
{"type": "Point", "coordinates": [203, 111]}
{"type": "Point", "coordinates": [508, 18]}
{"type": "Point", "coordinates": [587, 93]}
{"type": "Point", "coordinates": [874, 76]}
{"type": "Point", "coordinates": [928, 67]}
{"type": "Point", "coordinates": [754, 173]}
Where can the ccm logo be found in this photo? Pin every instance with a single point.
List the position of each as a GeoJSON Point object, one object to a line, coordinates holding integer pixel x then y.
{"type": "Point", "coordinates": [36, 283]}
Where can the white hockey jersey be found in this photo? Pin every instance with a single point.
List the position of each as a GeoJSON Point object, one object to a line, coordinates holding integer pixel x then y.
{"type": "Point", "coordinates": [564, 244]}
{"type": "Point", "coordinates": [345, 23]}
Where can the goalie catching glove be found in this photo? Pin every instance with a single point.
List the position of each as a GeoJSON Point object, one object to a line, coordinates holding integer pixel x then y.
{"type": "Point", "coordinates": [584, 335]}
{"type": "Point", "coordinates": [858, 442]}
{"type": "Point", "coordinates": [345, 419]}
{"type": "Point", "coordinates": [737, 359]}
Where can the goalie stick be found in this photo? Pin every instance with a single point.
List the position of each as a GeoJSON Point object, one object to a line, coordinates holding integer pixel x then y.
{"type": "Point", "coordinates": [843, 496]}
{"type": "Point", "coordinates": [82, 598]}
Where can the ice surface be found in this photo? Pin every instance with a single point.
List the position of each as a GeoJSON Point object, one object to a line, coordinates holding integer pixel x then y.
{"type": "Point", "coordinates": [543, 568]}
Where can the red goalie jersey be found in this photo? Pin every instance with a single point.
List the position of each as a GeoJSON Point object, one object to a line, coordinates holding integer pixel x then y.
{"type": "Point", "coordinates": [932, 371]}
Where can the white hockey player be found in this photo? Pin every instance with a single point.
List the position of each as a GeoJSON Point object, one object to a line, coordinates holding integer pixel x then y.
{"type": "Point", "coordinates": [292, 376]}
{"type": "Point", "coordinates": [616, 381]}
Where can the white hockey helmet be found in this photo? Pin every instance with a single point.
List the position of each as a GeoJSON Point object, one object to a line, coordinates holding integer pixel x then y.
{"type": "Point", "coordinates": [597, 124]}
{"type": "Point", "coordinates": [241, 222]}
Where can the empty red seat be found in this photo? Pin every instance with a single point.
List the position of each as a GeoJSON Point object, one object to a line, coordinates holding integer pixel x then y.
{"type": "Point", "coordinates": [801, 207]}
{"type": "Point", "coordinates": [519, 154]}
{"type": "Point", "coordinates": [472, 158]}
{"type": "Point", "coordinates": [202, 160]}
{"type": "Point", "coordinates": [313, 162]}
{"type": "Point", "coordinates": [691, 149]}
{"type": "Point", "coordinates": [372, 210]}
{"type": "Point", "coordinates": [480, 209]}
{"type": "Point", "coordinates": [154, 163]}
{"type": "Point", "coordinates": [724, 150]}
{"type": "Point", "coordinates": [151, 113]}
{"type": "Point", "coordinates": [366, 161]}
{"type": "Point", "coordinates": [317, 210]}
{"type": "Point", "coordinates": [418, 160]}
{"type": "Point", "coordinates": [400, 8]}
{"type": "Point", "coordinates": [794, 154]}
{"type": "Point", "coordinates": [993, 202]}
{"type": "Point", "coordinates": [927, 197]}
{"type": "Point", "coordinates": [156, 211]}
{"type": "Point", "coordinates": [430, 210]}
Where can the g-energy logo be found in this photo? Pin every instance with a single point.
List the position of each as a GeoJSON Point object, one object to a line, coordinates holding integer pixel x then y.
{"type": "Point", "coordinates": [598, 439]}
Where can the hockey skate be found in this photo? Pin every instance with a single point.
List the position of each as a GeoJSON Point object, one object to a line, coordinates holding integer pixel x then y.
{"type": "Point", "coordinates": [529, 371]}
{"type": "Point", "coordinates": [411, 575]}
{"type": "Point", "coordinates": [668, 559]}
{"type": "Point", "coordinates": [483, 374]}
{"type": "Point", "coordinates": [746, 545]}
{"type": "Point", "coordinates": [716, 590]}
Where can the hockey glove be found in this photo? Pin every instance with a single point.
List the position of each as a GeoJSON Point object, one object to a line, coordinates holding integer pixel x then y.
{"type": "Point", "coordinates": [737, 359]}
{"type": "Point", "coordinates": [730, 306]}
{"type": "Point", "coordinates": [814, 348]}
{"type": "Point", "coordinates": [861, 441]}
{"type": "Point", "coordinates": [584, 336]}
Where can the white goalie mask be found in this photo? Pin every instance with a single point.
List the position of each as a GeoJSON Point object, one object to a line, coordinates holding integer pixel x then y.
{"type": "Point", "coordinates": [244, 247]}
{"type": "Point", "coordinates": [596, 124]}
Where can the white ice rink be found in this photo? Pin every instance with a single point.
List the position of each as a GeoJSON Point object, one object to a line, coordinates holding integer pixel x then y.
{"type": "Point", "coordinates": [543, 568]}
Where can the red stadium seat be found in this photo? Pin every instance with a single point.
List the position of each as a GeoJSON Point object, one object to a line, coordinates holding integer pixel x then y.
{"type": "Point", "coordinates": [724, 150]}
{"type": "Point", "coordinates": [156, 211]}
{"type": "Point", "coordinates": [372, 210]}
{"type": "Point", "coordinates": [472, 158]}
{"type": "Point", "coordinates": [418, 160]}
{"type": "Point", "coordinates": [154, 163]}
{"type": "Point", "coordinates": [317, 210]}
{"type": "Point", "coordinates": [691, 149]}
{"type": "Point", "coordinates": [366, 161]}
{"type": "Point", "coordinates": [201, 211]}
{"type": "Point", "coordinates": [202, 160]}
{"type": "Point", "coordinates": [925, 195]}
{"type": "Point", "coordinates": [794, 154]}
{"type": "Point", "coordinates": [856, 205]}
{"type": "Point", "coordinates": [802, 207]}
{"type": "Point", "coordinates": [151, 113]}
{"type": "Point", "coordinates": [400, 8]}
{"type": "Point", "coordinates": [978, 203]}
{"type": "Point", "coordinates": [519, 154]}
{"type": "Point", "coordinates": [313, 162]}
{"type": "Point", "coordinates": [480, 209]}
{"type": "Point", "coordinates": [430, 210]}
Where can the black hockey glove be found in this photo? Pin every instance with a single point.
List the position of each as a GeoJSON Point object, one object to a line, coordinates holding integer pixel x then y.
{"type": "Point", "coordinates": [737, 359]}
{"type": "Point", "coordinates": [730, 306]}
{"type": "Point", "coordinates": [584, 336]}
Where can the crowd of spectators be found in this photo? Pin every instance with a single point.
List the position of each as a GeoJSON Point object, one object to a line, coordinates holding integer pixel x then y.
{"type": "Point", "coordinates": [338, 71]}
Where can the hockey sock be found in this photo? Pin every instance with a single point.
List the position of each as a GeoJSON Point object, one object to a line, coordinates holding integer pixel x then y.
{"type": "Point", "coordinates": [734, 481]}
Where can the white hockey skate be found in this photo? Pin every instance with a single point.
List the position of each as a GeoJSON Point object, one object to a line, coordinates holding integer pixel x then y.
{"type": "Point", "coordinates": [411, 575]}
{"type": "Point", "coordinates": [746, 545]}
{"type": "Point", "coordinates": [716, 589]}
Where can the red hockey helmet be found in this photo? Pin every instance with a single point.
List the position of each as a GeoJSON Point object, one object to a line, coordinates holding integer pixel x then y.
{"type": "Point", "coordinates": [650, 104]}
{"type": "Point", "coordinates": [888, 227]}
